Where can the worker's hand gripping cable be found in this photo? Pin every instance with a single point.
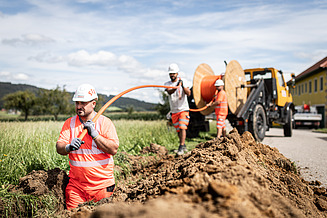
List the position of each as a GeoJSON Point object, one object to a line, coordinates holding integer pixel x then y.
{"type": "Point", "coordinates": [74, 145]}
{"type": "Point", "coordinates": [90, 127]}
{"type": "Point", "coordinates": [207, 105]}
{"type": "Point", "coordinates": [180, 83]}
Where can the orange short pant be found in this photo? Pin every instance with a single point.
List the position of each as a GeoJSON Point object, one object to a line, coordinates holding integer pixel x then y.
{"type": "Point", "coordinates": [180, 120]}
{"type": "Point", "coordinates": [221, 121]}
{"type": "Point", "coordinates": [76, 196]}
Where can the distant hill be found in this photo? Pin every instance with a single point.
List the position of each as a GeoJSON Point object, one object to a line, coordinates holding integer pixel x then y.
{"type": "Point", "coordinates": [122, 102]}
{"type": "Point", "coordinates": [125, 102]}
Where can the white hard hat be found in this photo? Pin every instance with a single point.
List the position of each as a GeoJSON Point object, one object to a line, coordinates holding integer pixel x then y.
{"type": "Point", "coordinates": [173, 68]}
{"type": "Point", "coordinates": [85, 93]}
{"type": "Point", "coordinates": [219, 82]}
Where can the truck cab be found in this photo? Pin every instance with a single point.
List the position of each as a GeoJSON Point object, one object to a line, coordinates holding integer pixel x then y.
{"type": "Point", "coordinates": [274, 81]}
{"type": "Point", "coordinates": [268, 101]}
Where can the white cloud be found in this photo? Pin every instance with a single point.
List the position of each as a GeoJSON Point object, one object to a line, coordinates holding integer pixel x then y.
{"type": "Point", "coordinates": [28, 39]}
{"type": "Point", "coordinates": [5, 74]}
{"type": "Point", "coordinates": [21, 76]}
{"type": "Point", "coordinates": [46, 57]}
{"type": "Point", "coordinates": [128, 43]}
{"type": "Point", "coordinates": [88, 1]}
{"type": "Point", "coordinates": [83, 58]}
{"type": "Point", "coordinates": [104, 59]}
{"type": "Point", "coordinates": [8, 76]}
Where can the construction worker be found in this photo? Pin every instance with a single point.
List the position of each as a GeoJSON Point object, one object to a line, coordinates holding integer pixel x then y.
{"type": "Point", "coordinates": [221, 108]}
{"type": "Point", "coordinates": [91, 161]}
{"type": "Point", "coordinates": [179, 107]}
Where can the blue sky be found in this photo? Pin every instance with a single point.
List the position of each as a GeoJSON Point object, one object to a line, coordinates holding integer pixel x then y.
{"type": "Point", "coordinates": [115, 45]}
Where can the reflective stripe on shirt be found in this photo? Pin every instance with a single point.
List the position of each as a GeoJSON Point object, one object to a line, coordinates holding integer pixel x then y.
{"type": "Point", "coordinates": [91, 163]}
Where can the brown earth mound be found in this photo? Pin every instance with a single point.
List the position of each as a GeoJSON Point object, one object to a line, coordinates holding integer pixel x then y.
{"type": "Point", "coordinates": [231, 177]}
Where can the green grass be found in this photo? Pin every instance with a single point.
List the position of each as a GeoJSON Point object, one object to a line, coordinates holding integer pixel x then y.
{"type": "Point", "coordinates": [113, 108]}
{"type": "Point", "coordinates": [113, 115]}
{"type": "Point", "coordinates": [324, 130]}
{"type": "Point", "coordinates": [25, 205]}
{"type": "Point", "coordinates": [27, 146]}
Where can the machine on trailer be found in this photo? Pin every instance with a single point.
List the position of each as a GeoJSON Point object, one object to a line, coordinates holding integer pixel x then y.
{"type": "Point", "coordinates": [257, 98]}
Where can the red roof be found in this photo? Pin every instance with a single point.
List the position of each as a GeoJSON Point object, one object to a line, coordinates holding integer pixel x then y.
{"type": "Point", "coordinates": [320, 64]}
{"type": "Point", "coordinates": [324, 65]}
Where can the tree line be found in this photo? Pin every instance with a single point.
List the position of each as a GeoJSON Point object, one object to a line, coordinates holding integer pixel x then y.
{"type": "Point", "coordinates": [56, 102]}
{"type": "Point", "coordinates": [43, 102]}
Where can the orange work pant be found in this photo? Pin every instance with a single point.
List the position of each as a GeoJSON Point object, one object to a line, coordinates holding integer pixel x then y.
{"type": "Point", "coordinates": [180, 120]}
{"type": "Point", "coordinates": [76, 195]}
{"type": "Point", "coordinates": [221, 121]}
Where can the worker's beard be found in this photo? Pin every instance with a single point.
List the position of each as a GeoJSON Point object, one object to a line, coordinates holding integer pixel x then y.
{"type": "Point", "coordinates": [173, 78]}
{"type": "Point", "coordinates": [82, 112]}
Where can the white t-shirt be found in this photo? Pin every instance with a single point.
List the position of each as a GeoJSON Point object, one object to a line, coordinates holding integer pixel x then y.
{"type": "Point", "coordinates": [177, 104]}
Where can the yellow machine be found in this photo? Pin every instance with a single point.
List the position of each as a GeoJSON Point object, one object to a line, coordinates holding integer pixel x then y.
{"type": "Point", "coordinates": [283, 94]}
{"type": "Point", "coordinates": [256, 98]}
{"type": "Point", "coordinates": [268, 100]}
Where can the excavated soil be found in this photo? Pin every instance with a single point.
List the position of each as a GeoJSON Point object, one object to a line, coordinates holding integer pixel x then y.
{"type": "Point", "coordinates": [231, 177]}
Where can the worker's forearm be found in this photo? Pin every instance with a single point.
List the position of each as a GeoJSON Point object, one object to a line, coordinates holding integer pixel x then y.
{"type": "Point", "coordinates": [106, 145]}
{"type": "Point", "coordinates": [170, 91]}
{"type": "Point", "coordinates": [213, 104]}
{"type": "Point", "coordinates": [61, 148]}
{"type": "Point", "coordinates": [187, 91]}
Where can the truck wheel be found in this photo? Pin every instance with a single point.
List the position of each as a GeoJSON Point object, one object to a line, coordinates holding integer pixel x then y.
{"type": "Point", "coordinates": [259, 123]}
{"type": "Point", "coordinates": [288, 126]}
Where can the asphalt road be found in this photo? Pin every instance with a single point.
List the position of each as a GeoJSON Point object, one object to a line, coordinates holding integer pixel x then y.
{"type": "Point", "coordinates": [306, 148]}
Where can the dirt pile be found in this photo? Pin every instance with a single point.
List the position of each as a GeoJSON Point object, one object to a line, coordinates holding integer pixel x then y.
{"type": "Point", "coordinates": [231, 177]}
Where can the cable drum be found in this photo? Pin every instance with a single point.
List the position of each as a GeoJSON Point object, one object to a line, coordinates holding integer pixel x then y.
{"type": "Point", "coordinates": [233, 79]}
{"type": "Point", "coordinates": [204, 87]}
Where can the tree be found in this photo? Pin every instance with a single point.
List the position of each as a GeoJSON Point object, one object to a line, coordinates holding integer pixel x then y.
{"type": "Point", "coordinates": [55, 102]}
{"type": "Point", "coordinates": [100, 103]}
{"type": "Point", "coordinates": [130, 109]}
{"type": "Point", "coordinates": [164, 108]}
{"type": "Point", "coordinates": [21, 100]}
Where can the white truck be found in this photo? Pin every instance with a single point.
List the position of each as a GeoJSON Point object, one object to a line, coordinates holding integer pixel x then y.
{"type": "Point", "coordinates": [306, 116]}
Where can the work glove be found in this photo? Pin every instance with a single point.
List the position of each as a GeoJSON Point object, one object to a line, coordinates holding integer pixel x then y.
{"type": "Point", "coordinates": [74, 145]}
{"type": "Point", "coordinates": [90, 126]}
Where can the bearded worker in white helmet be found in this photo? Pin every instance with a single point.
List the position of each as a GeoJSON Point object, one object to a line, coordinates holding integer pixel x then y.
{"type": "Point", "coordinates": [91, 175]}
{"type": "Point", "coordinates": [179, 107]}
{"type": "Point", "coordinates": [221, 108]}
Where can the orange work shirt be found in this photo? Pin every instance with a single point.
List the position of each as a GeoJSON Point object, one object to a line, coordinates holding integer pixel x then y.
{"type": "Point", "coordinates": [222, 108]}
{"type": "Point", "coordinates": [90, 167]}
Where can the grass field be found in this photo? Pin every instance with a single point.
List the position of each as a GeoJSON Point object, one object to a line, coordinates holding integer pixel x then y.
{"type": "Point", "coordinates": [27, 146]}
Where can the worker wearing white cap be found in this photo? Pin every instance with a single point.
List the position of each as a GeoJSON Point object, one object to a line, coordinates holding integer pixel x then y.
{"type": "Point", "coordinates": [221, 108]}
{"type": "Point", "coordinates": [91, 175]}
{"type": "Point", "coordinates": [179, 107]}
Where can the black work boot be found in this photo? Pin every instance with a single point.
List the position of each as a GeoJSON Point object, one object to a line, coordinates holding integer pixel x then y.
{"type": "Point", "coordinates": [184, 148]}
{"type": "Point", "coordinates": [180, 150]}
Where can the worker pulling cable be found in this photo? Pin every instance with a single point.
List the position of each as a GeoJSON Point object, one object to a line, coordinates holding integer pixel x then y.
{"type": "Point", "coordinates": [104, 107]}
